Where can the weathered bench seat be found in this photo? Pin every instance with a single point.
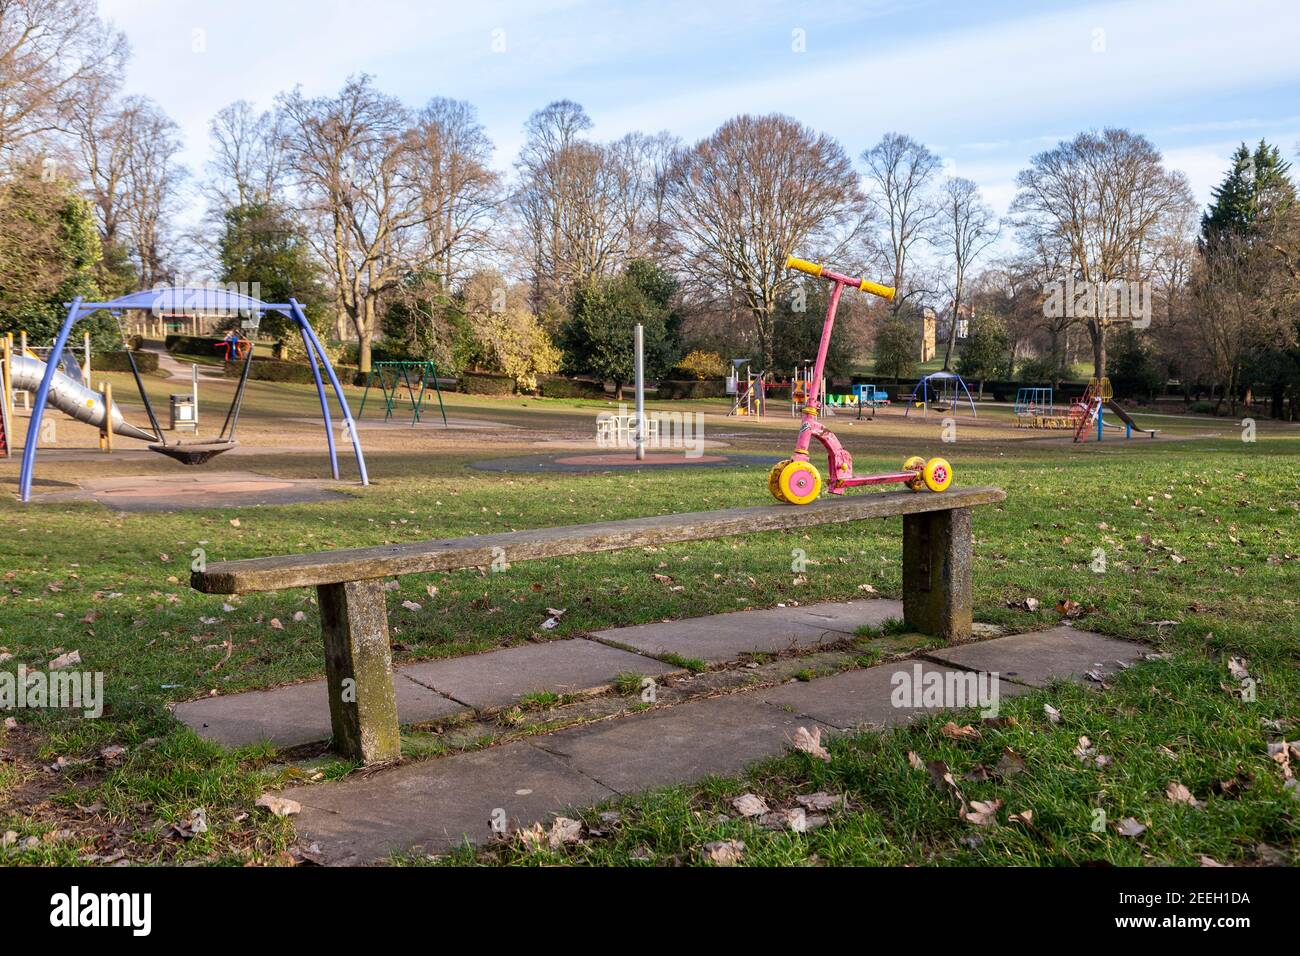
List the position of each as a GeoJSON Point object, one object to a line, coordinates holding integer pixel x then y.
{"type": "Point", "coordinates": [936, 581]}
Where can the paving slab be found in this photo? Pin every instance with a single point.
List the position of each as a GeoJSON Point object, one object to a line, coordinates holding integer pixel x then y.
{"type": "Point", "coordinates": [439, 804]}
{"type": "Point", "coordinates": [848, 616]}
{"type": "Point", "coordinates": [500, 678]}
{"type": "Point", "coordinates": [295, 715]}
{"type": "Point", "coordinates": [1040, 657]}
{"type": "Point", "coordinates": [726, 637]}
{"type": "Point", "coordinates": [679, 744]}
{"type": "Point", "coordinates": [886, 695]}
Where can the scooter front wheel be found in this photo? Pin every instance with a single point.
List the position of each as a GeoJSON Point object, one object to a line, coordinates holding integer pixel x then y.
{"type": "Point", "coordinates": [800, 482]}
{"type": "Point", "coordinates": [937, 474]}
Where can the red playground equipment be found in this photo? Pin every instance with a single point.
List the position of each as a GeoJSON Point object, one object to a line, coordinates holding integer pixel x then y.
{"type": "Point", "coordinates": [237, 347]}
{"type": "Point", "coordinates": [796, 480]}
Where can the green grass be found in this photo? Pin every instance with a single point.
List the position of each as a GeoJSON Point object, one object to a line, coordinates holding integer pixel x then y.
{"type": "Point", "coordinates": [1199, 538]}
{"type": "Point", "coordinates": [896, 815]}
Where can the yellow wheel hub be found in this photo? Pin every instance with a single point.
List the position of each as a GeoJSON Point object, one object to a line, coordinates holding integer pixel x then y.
{"type": "Point", "coordinates": [800, 482]}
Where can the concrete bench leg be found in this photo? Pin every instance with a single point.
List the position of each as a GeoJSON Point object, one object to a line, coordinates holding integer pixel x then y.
{"type": "Point", "coordinates": [359, 670]}
{"type": "Point", "coordinates": [936, 573]}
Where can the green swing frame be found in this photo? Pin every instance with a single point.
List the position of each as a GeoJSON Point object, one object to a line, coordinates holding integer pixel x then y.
{"type": "Point", "coordinates": [391, 376]}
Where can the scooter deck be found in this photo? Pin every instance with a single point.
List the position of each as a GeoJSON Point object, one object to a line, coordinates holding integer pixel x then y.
{"type": "Point", "coordinates": [887, 478]}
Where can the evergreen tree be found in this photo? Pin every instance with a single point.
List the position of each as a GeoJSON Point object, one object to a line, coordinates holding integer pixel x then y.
{"type": "Point", "coordinates": [985, 352]}
{"type": "Point", "coordinates": [1256, 188]}
{"type": "Point", "coordinates": [796, 336]}
{"type": "Point", "coordinates": [261, 245]}
{"type": "Point", "coordinates": [50, 253]}
{"type": "Point", "coordinates": [597, 337]}
{"type": "Point", "coordinates": [896, 347]}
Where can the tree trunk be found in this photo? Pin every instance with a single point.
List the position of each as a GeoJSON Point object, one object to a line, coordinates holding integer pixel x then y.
{"type": "Point", "coordinates": [952, 340]}
{"type": "Point", "coordinates": [363, 352]}
{"type": "Point", "coordinates": [1097, 332]}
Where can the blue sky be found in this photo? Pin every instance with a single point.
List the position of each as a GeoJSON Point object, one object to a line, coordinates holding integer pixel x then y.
{"type": "Point", "coordinates": [985, 84]}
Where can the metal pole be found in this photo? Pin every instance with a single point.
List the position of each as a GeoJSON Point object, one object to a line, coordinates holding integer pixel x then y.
{"type": "Point", "coordinates": [22, 350]}
{"type": "Point", "coordinates": [194, 394]}
{"type": "Point", "coordinates": [42, 394]}
{"type": "Point", "coordinates": [638, 340]}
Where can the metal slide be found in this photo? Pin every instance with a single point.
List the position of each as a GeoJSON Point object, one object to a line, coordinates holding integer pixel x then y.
{"type": "Point", "coordinates": [1128, 420]}
{"type": "Point", "coordinates": [71, 397]}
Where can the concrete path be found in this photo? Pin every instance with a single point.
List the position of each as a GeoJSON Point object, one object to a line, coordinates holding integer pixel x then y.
{"type": "Point", "coordinates": [174, 368]}
{"type": "Point", "coordinates": [437, 804]}
{"type": "Point", "coordinates": [299, 714]}
{"type": "Point", "coordinates": [726, 637]}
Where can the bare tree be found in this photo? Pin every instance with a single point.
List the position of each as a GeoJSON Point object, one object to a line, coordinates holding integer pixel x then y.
{"type": "Point", "coordinates": [639, 161]}
{"type": "Point", "coordinates": [1231, 311]}
{"type": "Point", "coordinates": [49, 51]}
{"type": "Point", "coordinates": [151, 178]}
{"type": "Point", "coordinates": [1099, 201]}
{"type": "Point", "coordinates": [964, 228]}
{"type": "Point", "coordinates": [349, 156]}
{"type": "Point", "coordinates": [247, 161]}
{"type": "Point", "coordinates": [899, 173]}
{"type": "Point", "coordinates": [97, 122]}
{"type": "Point", "coordinates": [544, 198]}
{"type": "Point", "coordinates": [586, 208]}
{"type": "Point", "coordinates": [759, 189]}
{"type": "Point", "coordinates": [459, 193]}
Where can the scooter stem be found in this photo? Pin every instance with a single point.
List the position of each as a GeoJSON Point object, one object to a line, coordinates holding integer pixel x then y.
{"type": "Point", "coordinates": [812, 405]}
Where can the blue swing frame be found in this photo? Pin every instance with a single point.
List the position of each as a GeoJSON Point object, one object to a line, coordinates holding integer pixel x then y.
{"type": "Point", "coordinates": [923, 386]}
{"type": "Point", "coordinates": [183, 300]}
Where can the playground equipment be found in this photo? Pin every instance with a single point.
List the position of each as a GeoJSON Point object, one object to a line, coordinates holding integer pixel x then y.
{"type": "Point", "coordinates": [796, 480]}
{"type": "Point", "coordinates": [1092, 409]}
{"type": "Point", "coordinates": [393, 376]}
{"type": "Point", "coordinates": [870, 395]}
{"type": "Point", "coordinates": [67, 393]}
{"type": "Point", "coordinates": [237, 347]}
{"type": "Point", "coordinates": [1031, 400]}
{"type": "Point", "coordinates": [1036, 408]}
{"type": "Point", "coordinates": [751, 394]}
{"type": "Point", "coordinates": [940, 390]}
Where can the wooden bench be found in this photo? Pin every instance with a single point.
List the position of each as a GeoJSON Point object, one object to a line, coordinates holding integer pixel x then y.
{"type": "Point", "coordinates": [354, 619]}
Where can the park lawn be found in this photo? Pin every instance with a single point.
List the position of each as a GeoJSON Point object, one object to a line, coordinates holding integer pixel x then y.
{"type": "Point", "coordinates": [1200, 536]}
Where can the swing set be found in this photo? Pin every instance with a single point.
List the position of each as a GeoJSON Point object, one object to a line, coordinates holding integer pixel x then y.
{"type": "Point", "coordinates": [193, 301]}
{"type": "Point", "coordinates": [392, 377]}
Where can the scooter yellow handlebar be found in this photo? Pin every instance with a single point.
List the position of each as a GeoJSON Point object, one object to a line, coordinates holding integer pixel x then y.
{"type": "Point", "coordinates": [884, 291]}
{"type": "Point", "coordinates": [864, 285]}
{"type": "Point", "coordinates": [803, 265]}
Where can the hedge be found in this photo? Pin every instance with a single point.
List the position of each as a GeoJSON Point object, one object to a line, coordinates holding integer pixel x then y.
{"type": "Point", "coordinates": [192, 345]}
{"type": "Point", "coordinates": [556, 386]}
{"type": "Point", "coordinates": [118, 362]}
{"type": "Point", "coordinates": [269, 370]}
{"type": "Point", "coordinates": [712, 388]}
{"type": "Point", "coordinates": [483, 383]}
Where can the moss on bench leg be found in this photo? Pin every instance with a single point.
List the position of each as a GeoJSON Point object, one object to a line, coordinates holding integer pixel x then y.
{"type": "Point", "coordinates": [359, 670]}
{"type": "Point", "coordinates": [937, 573]}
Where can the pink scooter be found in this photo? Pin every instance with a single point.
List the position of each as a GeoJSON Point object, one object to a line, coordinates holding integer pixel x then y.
{"type": "Point", "coordinates": [796, 480]}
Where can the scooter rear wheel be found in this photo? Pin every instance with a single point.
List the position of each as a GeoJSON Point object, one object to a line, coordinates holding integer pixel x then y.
{"type": "Point", "coordinates": [800, 482]}
{"type": "Point", "coordinates": [917, 464]}
{"type": "Point", "coordinates": [774, 480]}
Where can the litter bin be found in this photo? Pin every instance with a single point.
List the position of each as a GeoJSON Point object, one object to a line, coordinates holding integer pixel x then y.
{"type": "Point", "coordinates": [183, 413]}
